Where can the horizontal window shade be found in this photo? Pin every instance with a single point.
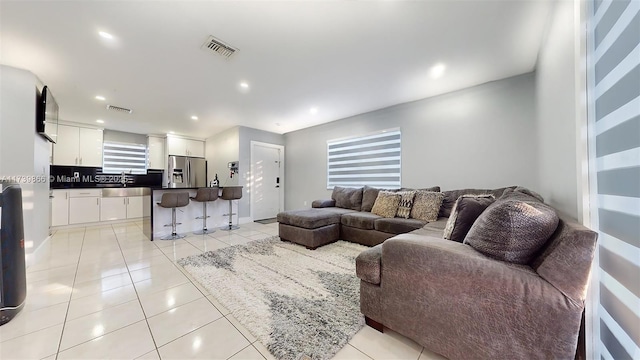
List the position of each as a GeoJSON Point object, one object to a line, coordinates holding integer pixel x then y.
{"type": "Point", "coordinates": [119, 157]}
{"type": "Point", "coordinates": [373, 160]}
{"type": "Point", "coordinates": [614, 91]}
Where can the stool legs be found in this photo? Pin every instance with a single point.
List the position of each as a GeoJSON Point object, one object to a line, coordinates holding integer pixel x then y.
{"type": "Point", "coordinates": [230, 226]}
{"type": "Point", "coordinates": [204, 221]}
{"type": "Point", "coordinates": [174, 234]}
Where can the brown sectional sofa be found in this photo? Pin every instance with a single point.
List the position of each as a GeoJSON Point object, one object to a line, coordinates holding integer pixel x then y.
{"type": "Point", "coordinates": [448, 296]}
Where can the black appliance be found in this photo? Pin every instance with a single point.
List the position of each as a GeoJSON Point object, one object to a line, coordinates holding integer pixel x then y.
{"type": "Point", "coordinates": [13, 279]}
{"type": "Point", "coordinates": [47, 115]}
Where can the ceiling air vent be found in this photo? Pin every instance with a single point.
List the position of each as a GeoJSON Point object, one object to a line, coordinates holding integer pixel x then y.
{"type": "Point", "coordinates": [120, 109]}
{"type": "Point", "coordinates": [218, 47]}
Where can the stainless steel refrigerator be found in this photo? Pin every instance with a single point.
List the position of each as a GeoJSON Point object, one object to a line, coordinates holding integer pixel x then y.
{"type": "Point", "coordinates": [187, 172]}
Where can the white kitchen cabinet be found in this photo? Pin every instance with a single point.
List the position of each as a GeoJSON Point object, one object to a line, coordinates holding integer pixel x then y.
{"type": "Point", "coordinates": [78, 146]}
{"type": "Point", "coordinates": [184, 147]}
{"type": "Point", "coordinates": [59, 207]}
{"type": "Point", "coordinates": [84, 210]}
{"type": "Point", "coordinates": [157, 159]}
{"type": "Point", "coordinates": [195, 148]}
{"type": "Point", "coordinates": [113, 208]}
{"type": "Point", "coordinates": [135, 205]}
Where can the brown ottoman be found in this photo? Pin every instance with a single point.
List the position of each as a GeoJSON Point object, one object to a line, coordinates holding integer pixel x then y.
{"type": "Point", "coordinates": [310, 227]}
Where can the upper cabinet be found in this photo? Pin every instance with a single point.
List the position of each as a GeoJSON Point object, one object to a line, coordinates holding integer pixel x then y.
{"type": "Point", "coordinates": [157, 158]}
{"type": "Point", "coordinates": [184, 147]}
{"type": "Point", "coordinates": [77, 146]}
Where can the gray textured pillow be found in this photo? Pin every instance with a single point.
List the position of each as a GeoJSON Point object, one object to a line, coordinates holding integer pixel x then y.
{"type": "Point", "coordinates": [347, 198]}
{"type": "Point", "coordinates": [465, 212]}
{"type": "Point", "coordinates": [386, 204]}
{"type": "Point", "coordinates": [406, 203]}
{"type": "Point", "coordinates": [426, 205]}
{"type": "Point", "coordinates": [513, 230]}
{"type": "Point", "coordinates": [369, 196]}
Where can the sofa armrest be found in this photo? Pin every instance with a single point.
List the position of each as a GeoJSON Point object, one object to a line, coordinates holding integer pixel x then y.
{"type": "Point", "coordinates": [323, 203]}
{"type": "Point", "coordinates": [368, 265]}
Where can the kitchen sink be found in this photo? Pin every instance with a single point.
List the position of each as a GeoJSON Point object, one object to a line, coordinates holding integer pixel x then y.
{"type": "Point", "coordinates": [123, 192]}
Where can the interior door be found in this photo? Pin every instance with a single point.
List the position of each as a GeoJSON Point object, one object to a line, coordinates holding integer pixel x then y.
{"type": "Point", "coordinates": [267, 181]}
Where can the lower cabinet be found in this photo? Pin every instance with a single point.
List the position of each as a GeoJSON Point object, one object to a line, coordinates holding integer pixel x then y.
{"type": "Point", "coordinates": [113, 208]}
{"type": "Point", "coordinates": [119, 208]}
{"type": "Point", "coordinates": [84, 209]}
{"type": "Point", "coordinates": [59, 207]}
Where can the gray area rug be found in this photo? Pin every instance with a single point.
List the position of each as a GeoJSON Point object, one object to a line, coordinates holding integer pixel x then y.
{"type": "Point", "coordinates": [299, 303]}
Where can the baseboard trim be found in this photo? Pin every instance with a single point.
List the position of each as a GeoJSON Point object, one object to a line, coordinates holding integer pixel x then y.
{"type": "Point", "coordinates": [99, 223]}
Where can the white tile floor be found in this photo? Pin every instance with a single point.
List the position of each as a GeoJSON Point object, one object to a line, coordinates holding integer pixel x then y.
{"type": "Point", "coordinates": [107, 292]}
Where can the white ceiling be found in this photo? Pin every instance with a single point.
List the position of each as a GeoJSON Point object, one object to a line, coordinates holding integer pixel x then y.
{"type": "Point", "coordinates": [342, 57]}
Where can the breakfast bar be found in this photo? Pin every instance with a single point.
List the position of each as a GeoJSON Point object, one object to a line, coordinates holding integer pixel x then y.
{"type": "Point", "coordinates": [158, 224]}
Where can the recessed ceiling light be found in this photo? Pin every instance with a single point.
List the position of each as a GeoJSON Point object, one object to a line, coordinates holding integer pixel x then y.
{"type": "Point", "coordinates": [313, 110]}
{"type": "Point", "coordinates": [101, 98]}
{"type": "Point", "coordinates": [244, 85]}
{"type": "Point", "coordinates": [194, 117]}
{"type": "Point", "coordinates": [437, 70]}
{"type": "Point", "coordinates": [100, 121]}
{"type": "Point", "coordinates": [105, 35]}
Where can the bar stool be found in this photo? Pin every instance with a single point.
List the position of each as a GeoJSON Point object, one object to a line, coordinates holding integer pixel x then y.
{"type": "Point", "coordinates": [205, 195]}
{"type": "Point", "coordinates": [231, 193]}
{"type": "Point", "coordinates": [173, 200]}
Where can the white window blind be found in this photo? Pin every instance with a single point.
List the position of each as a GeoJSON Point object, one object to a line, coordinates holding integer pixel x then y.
{"type": "Point", "coordinates": [372, 160]}
{"type": "Point", "coordinates": [119, 157]}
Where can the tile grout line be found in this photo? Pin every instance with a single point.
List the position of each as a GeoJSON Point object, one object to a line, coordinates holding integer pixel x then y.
{"type": "Point", "coordinates": [146, 320]}
{"type": "Point", "coordinates": [64, 324]}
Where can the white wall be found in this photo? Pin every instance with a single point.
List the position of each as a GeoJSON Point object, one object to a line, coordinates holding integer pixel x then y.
{"type": "Point", "coordinates": [23, 152]}
{"type": "Point", "coordinates": [480, 137]}
{"type": "Point", "coordinates": [219, 150]}
{"type": "Point", "coordinates": [557, 115]}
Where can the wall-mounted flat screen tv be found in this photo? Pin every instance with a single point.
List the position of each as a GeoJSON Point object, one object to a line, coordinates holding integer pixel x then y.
{"type": "Point", "coordinates": [47, 115]}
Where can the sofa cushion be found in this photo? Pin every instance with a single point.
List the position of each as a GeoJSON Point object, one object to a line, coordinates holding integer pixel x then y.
{"type": "Point", "coordinates": [513, 228]}
{"type": "Point", "coordinates": [308, 218]}
{"type": "Point", "coordinates": [323, 203]}
{"type": "Point", "coordinates": [465, 212]}
{"type": "Point", "coordinates": [433, 229]}
{"type": "Point", "coordinates": [397, 225]}
{"type": "Point", "coordinates": [451, 196]}
{"type": "Point", "coordinates": [433, 188]}
{"type": "Point", "coordinates": [406, 203]}
{"type": "Point", "coordinates": [386, 204]}
{"type": "Point", "coordinates": [337, 210]}
{"type": "Point", "coordinates": [369, 195]}
{"type": "Point", "coordinates": [426, 205]}
{"type": "Point", "coordinates": [347, 198]}
{"type": "Point", "coordinates": [368, 265]}
{"type": "Point", "coordinates": [360, 220]}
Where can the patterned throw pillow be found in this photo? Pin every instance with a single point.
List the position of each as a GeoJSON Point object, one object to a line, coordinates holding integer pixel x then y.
{"type": "Point", "coordinates": [386, 204]}
{"type": "Point", "coordinates": [426, 205]}
{"type": "Point", "coordinates": [406, 203]}
{"type": "Point", "coordinates": [464, 213]}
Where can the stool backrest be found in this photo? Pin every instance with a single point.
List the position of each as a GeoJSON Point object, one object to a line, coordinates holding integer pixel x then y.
{"type": "Point", "coordinates": [231, 192]}
{"type": "Point", "coordinates": [213, 193]}
{"type": "Point", "coordinates": [174, 199]}
{"type": "Point", "coordinates": [203, 194]}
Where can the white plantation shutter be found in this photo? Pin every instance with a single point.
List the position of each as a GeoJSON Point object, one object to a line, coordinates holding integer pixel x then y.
{"type": "Point", "coordinates": [365, 160]}
{"type": "Point", "coordinates": [119, 157]}
{"type": "Point", "coordinates": [614, 92]}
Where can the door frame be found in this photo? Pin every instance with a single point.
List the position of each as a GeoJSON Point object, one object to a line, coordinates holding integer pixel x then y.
{"type": "Point", "coordinates": [281, 174]}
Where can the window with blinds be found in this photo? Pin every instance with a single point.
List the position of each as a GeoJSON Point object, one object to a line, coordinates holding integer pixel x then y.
{"type": "Point", "coordinates": [372, 160]}
{"type": "Point", "coordinates": [614, 136]}
{"type": "Point", "coordinates": [118, 157]}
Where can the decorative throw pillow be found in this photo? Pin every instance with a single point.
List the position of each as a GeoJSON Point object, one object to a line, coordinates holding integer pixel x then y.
{"type": "Point", "coordinates": [464, 213]}
{"type": "Point", "coordinates": [513, 230]}
{"type": "Point", "coordinates": [406, 203]}
{"type": "Point", "coordinates": [369, 196]}
{"type": "Point", "coordinates": [347, 198]}
{"type": "Point", "coordinates": [426, 205]}
{"type": "Point", "coordinates": [386, 204]}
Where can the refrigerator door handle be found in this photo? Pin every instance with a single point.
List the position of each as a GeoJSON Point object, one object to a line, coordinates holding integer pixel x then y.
{"type": "Point", "coordinates": [189, 173]}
